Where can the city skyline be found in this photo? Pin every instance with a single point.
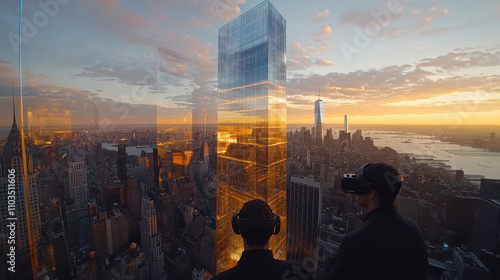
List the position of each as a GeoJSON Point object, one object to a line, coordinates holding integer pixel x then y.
{"type": "Point", "coordinates": [426, 63]}
{"type": "Point", "coordinates": [75, 167]}
{"type": "Point", "coordinates": [145, 126]}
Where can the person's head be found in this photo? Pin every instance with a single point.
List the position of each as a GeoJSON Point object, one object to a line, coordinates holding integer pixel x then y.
{"type": "Point", "coordinates": [375, 184]}
{"type": "Point", "coordinates": [256, 222]}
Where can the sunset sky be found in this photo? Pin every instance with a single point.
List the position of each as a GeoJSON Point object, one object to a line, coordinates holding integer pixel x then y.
{"type": "Point", "coordinates": [387, 62]}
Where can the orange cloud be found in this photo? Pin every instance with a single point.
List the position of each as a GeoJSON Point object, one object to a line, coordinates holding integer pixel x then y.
{"type": "Point", "coordinates": [323, 62]}
{"type": "Point", "coordinates": [327, 31]}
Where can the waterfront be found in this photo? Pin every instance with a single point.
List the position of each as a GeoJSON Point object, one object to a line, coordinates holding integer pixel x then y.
{"type": "Point", "coordinates": [473, 161]}
{"type": "Point", "coordinates": [131, 150]}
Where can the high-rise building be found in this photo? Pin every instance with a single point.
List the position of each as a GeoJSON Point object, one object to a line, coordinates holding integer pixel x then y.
{"type": "Point", "coordinates": [487, 224]}
{"type": "Point", "coordinates": [206, 153]}
{"type": "Point", "coordinates": [207, 250]}
{"type": "Point", "coordinates": [22, 211]}
{"type": "Point", "coordinates": [121, 162]}
{"type": "Point", "coordinates": [304, 219]}
{"type": "Point", "coordinates": [77, 175]}
{"type": "Point", "coordinates": [459, 176]}
{"type": "Point", "coordinates": [408, 207]}
{"type": "Point", "coordinates": [133, 201]}
{"type": "Point", "coordinates": [460, 215]}
{"type": "Point", "coordinates": [116, 231]}
{"type": "Point", "coordinates": [95, 119]}
{"type": "Point", "coordinates": [318, 122]}
{"type": "Point", "coordinates": [251, 161]}
{"type": "Point", "coordinates": [346, 125]}
{"type": "Point", "coordinates": [465, 265]}
{"type": "Point", "coordinates": [151, 239]}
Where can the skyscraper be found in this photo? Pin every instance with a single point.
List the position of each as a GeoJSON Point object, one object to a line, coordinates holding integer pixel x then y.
{"type": "Point", "coordinates": [121, 162]}
{"type": "Point", "coordinates": [95, 119]}
{"type": "Point", "coordinates": [251, 148]}
{"type": "Point", "coordinates": [318, 122]}
{"type": "Point", "coordinates": [487, 224]}
{"type": "Point", "coordinates": [346, 125]}
{"type": "Point", "coordinates": [19, 205]}
{"type": "Point", "coordinates": [304, 220]}
{"type": "Point", "coordinates": [77, 175]}
{"type": "Point", "coordinates": [151, 239]}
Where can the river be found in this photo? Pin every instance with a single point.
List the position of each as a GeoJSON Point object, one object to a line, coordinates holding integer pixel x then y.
{"type": "Point", "coordinates": [473, 161]}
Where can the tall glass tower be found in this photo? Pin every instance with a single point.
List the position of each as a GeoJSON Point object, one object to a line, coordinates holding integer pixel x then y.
{"type": "Point", "coordinates": [318, 122]}
{"type": "Point", "coordinates": [251, 161]}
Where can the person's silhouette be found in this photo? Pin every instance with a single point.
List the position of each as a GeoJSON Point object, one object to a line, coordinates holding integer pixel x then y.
{"type": "Point", "coordinates": [256, 223]}
{"type": "Point", "coordinates": [387, 245]}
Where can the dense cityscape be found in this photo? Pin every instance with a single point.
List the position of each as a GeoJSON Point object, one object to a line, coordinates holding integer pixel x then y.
{"type": "Point", "coordinates": [155, 201]}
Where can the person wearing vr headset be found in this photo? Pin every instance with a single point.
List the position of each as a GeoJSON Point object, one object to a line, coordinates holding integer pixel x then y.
{"type": "Point", "coordinates": [256, 223]}
{"type": "Point", "coordinates": [386, 245]}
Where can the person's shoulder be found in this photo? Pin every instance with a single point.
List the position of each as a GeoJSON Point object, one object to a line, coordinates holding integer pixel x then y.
{"type": "Point", "coordinates": [292, 270]}
{"type": "Point", "coordinates": [407, 223]}
{"type": "Point", "coordinates": [228, 274]}
{"type": "Point", "coordinates": [280, 264]}
{"type": "Point", "coordinates": [362, 232]}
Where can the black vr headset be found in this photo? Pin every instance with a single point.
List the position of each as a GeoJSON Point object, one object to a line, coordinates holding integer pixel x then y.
{"type": "Point", "coordinates": [238, 222]}
{"type": "Point", "coordinates": [357, 184]}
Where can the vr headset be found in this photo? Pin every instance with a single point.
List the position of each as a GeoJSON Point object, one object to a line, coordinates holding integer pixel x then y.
{"type": "Point", "coordinates": [357, 184]}
{"type": "Point", "coordinates": [238, 222]}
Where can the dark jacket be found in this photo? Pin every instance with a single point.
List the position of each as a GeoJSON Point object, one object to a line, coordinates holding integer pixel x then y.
{"type": "Point", "coordinates": [260, 265]}
{"type": "Point", "coordinates": [386, 246]}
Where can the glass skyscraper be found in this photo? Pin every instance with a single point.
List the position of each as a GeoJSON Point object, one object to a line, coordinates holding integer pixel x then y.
{"type": "Point", "coordinates": [251, 161]}
{"type": "Point", "coordinates": [318, 122]}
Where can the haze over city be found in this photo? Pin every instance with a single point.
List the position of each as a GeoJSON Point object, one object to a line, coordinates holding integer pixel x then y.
{"type": "Point", "coordinates": [380, 62]}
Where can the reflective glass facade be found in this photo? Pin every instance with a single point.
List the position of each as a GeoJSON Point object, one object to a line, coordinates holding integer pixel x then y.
{"type": "Point", "coordinates": [251, 148]}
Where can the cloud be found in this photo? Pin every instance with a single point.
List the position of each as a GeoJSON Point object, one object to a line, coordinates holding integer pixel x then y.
{"type": "Point", "coordinates": [323, 62]}
{"type": "Point", "coordinates": [453, 99]}
{"type": "Point", "coordinates": [438, 31]}
{"type": "Point", "coordinates": [122, 71]}
{"type": "Point", "coordinates": [299, 58]}
{"type": "Point", "coordinates": [425, 20]}
{"type": "Point", "coordinates": [304, 54]}
{"type": "Point", "coordinates": [8, 74]}
{"type": "Point", "coordinates": [55, 105]}
{"type": "Point", "coordinates": [225, 10]}
{"type": "Point", "coordinates": [358, 18]}
{"type": "Point", "coordinates": [172, 62]}
{"type": "Point", "coordinates": [326, 31]}
{"type": "Point", "coordinates": [109, 5]}
{"type": "Point", "coordinates": [459, 59]}
{"type": "Point", "coordinates": [402, 89]}
{"type": "Point", "coordinates": [320, 17]}
{"type": "Point", "coordinates": [116, 21]}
